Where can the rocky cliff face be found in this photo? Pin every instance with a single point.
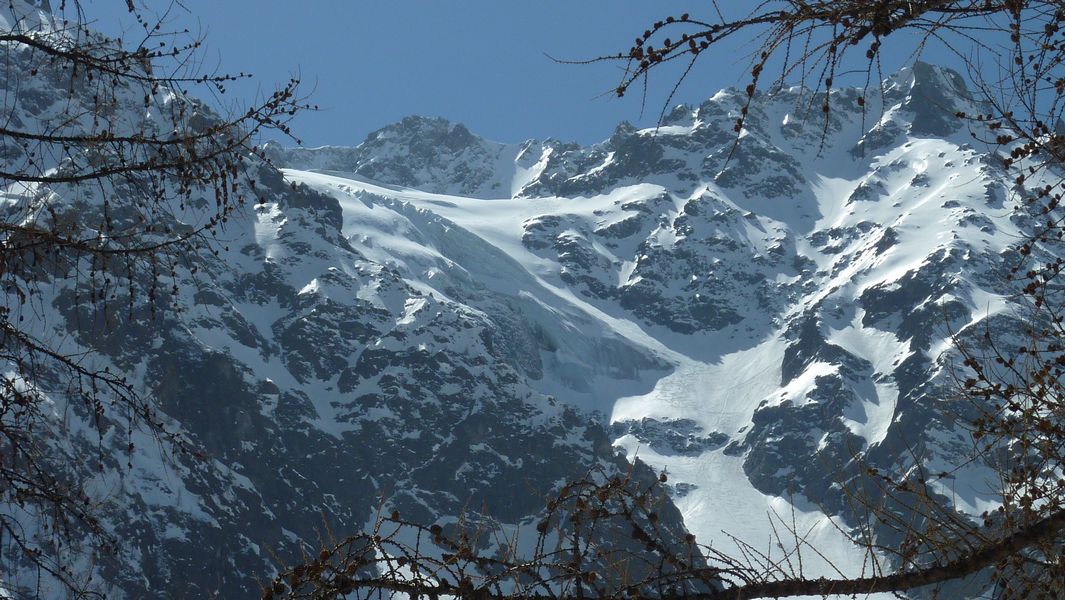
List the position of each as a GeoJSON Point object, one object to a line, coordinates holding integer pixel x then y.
{"type": "Point", "coordinates": [436, 322]}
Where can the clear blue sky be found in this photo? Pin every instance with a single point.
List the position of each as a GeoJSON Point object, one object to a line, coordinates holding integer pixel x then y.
{"type": "Point", "coordinates": [479, 62]}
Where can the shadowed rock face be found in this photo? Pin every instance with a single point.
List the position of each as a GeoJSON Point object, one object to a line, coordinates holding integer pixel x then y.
{"type": "Point", "coordinates": [932, 100]}
{"type": "Point", "coordinates": [682, 437]}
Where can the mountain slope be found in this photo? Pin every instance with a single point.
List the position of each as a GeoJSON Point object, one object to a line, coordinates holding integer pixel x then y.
{"type": "Point", "coordinates": [799, 284]}
{"type": "Point", "coordinates": [431, 322]}
{"type": "Point", "coordinates": [319, 384]}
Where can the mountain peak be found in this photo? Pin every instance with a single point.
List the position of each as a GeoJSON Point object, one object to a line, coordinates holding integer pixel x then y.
{"type": "Point", "coordinates": [434, 130]}
{"type": "Point", "coordinates": [933, 95]}
{"type": "Point", "coordinates": [926, 74]}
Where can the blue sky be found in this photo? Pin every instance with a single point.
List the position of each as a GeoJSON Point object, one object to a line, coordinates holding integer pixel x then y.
{"type": "Point", "coordinates": [479, 62]}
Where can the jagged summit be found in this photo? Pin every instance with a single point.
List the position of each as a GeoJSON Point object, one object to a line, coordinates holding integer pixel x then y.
{"type": "Point", "coordinates": [933, 95]}
{"type": "Point", "coordinates": [436, 155]}
{"type": "Point", "coordinates": [924, 74]}
{"type": "Point", "coordinates": [420, 152]}
{"type": "Point", "coordinates": [425, 131]}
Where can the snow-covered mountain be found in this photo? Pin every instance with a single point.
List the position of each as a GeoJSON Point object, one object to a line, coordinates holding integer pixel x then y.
{"type": "Point", "coordinates": [320, 383]}
{"type": "Point", "coordinates": [790, 292]}
{"type": "Point", "coordinates": [433, 322]}
{"type": "Point", "coordinates": [799, 283]}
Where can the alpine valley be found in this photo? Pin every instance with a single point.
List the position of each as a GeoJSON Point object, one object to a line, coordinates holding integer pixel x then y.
{"type": "Point", "coordinates": [435, 323]}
